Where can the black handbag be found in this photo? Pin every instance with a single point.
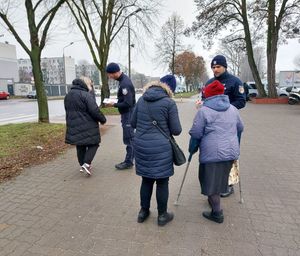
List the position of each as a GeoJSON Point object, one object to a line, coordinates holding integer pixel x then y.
{"type": "Point", "coordinates": [178, 155]}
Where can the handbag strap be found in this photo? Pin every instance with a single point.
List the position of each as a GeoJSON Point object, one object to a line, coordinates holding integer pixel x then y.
{"type": "Point", "coordinates": [154, 122]}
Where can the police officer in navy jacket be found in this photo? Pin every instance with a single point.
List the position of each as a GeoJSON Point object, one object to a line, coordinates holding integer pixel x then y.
{"type": "Point", "coordinates": [233, 88]}
{"type": "Point", "coordinates": [125, 105]}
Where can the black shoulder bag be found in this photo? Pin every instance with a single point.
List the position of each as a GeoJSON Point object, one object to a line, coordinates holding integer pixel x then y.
{"type": "Point", "coordinates": [178, 155]}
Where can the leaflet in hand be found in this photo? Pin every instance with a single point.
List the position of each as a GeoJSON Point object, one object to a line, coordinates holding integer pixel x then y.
{"type": "Point", "coordinates": [110, 100]}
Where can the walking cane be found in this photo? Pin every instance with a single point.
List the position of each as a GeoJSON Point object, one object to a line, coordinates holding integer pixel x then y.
{"type": "Point", "coordinates": [186, 169]}
{"type": "Point", "coordinates": [241, 196]}
{"type": "Point", "coordinates": [240, 187]}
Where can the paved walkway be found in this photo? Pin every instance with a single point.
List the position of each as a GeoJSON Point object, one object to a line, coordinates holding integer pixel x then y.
{"type": "Point", "coordinates": [52, 209]}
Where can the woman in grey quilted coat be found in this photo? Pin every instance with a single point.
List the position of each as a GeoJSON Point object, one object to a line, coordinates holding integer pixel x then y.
{"type": "Point", "coordinates": [214, 132]}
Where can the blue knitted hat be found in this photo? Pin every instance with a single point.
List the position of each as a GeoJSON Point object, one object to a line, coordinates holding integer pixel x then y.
{"type": "Point", "coordinates": [170, 80]}
{"type": "Point", "coordinates": [219, 60]}
{"type": "Point", "coordinates": [112, 68]}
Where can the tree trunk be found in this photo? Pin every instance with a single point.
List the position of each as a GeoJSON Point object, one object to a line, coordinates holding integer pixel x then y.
{"type": "Point", "coordinates": [35, 58]}
{"type": "Point", "coordinates": [105, 93]}
{"type": "Point", "coordinates": [173, 51]}
{"type": "Point", "coordinates": [272, 39]}
{"type": "Point", "coordinates": [103, 56]}
{"type": "Point", "coordinates": [250, 55]}
{"type": "Point", "coordinates": [173, 63]}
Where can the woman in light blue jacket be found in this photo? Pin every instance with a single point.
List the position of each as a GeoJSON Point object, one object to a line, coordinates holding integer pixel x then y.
{"type": "Point", "coordinates": [214, 132]}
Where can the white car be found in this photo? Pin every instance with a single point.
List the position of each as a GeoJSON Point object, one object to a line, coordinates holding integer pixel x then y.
{"type": "Point", "coordinates": [97, 92]}
{"type": "Point", "coordinates": [281, 91]}
{"type": "Point", "coordinates": [31, 95]}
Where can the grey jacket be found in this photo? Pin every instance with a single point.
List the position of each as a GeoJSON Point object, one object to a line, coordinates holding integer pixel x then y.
{"type": "Point", "coordinates": [217, 125]}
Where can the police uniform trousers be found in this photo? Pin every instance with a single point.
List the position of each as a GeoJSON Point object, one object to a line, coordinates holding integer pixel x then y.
{"type": "Point", "coordinates": [127, 136]}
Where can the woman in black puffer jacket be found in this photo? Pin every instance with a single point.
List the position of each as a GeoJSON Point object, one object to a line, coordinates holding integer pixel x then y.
{"type": "Point", "coordinates": [82, 118]}
{"type": "Point", "coordinates": [153, 151]}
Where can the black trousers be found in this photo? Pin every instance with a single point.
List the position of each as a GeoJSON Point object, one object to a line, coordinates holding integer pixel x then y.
{"type": "Point", "coordinates": [127, 136]}
{"type": "Point", "coordinates": [86, 153]}
{"type": "Point", "coordinates": [162, 193]}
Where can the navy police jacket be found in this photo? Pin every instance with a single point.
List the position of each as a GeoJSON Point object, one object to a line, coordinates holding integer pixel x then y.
{"type": "Point", "coordinates": [233, 88]}
{"type": "Point", "coordinates": [126, 94]}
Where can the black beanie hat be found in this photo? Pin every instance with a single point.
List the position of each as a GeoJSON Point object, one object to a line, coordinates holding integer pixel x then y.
{"type": "Point", "coordinates": [112, 68]}
{"type": "Point", "coordinates": [219, 60]}
{"type": "Point", "coordinates": [170, 80]}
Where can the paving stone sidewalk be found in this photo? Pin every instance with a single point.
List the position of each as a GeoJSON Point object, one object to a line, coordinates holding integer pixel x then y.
{"type": "Point", "coordinates": [53, 209]}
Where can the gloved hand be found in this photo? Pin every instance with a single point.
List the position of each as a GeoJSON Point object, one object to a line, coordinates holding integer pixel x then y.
{"type": "Point", "coordinates": [194, 145]}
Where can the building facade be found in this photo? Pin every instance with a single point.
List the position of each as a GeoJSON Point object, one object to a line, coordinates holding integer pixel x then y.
{"type": "Point", "coordinates": [8, 67]}
{"type": "Point", "coordinates": [58, 70]}
{"type": "Point", "coordinates": [58, 74]}
{"type": "Point", "coordinates": [90, 71]}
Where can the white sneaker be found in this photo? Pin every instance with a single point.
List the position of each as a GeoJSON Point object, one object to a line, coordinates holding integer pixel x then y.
{"type": "Point", "coordinates": [87, 168]}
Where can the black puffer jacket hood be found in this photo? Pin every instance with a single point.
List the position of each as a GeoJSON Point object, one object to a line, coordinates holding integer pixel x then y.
{"type": "Point", "coordinates": [155, 93]}
{"type": "Point", "coordinates": [79, 84]}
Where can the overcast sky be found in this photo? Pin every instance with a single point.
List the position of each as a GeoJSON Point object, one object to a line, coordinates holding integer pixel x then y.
{"type": "Point", "coordinates": [143, 62]}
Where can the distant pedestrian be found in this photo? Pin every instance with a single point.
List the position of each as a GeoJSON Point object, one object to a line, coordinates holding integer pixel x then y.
{"type": "Point", "coordinates": [82, 119]}
{"type": "Point", "coordinates": [246, 88]}
{"type": "Point", "coordinates": [92, 90]}
{"type": "Point", "coordinates": [234, 88]}
{"type": "Point", "coordinates": [153, 152]}
{"type": "Point", "coordinates": [125, 105]}
{"type": "Point", "coordinates": [214, 131]}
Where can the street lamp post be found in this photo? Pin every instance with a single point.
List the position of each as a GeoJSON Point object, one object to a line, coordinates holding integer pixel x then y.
{"type": "Point", "coordinates": [64, 61]}
{"type": "Point", "coordinates": [129, 51]}
{"type": "Point", "coordinates": [129, 42]}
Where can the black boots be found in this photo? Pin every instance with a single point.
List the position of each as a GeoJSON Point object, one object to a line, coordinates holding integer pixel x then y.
{"type": "Point", "coordinates": [143, 215]}
{"type": "Point", "coordinates": [164, 218]}
{"type": "Point", "coordinates": [123, 166]}
{"type": "Point", "coordinates": [214, 216]}
{"type": "Point", "coordinates": [230, 191]}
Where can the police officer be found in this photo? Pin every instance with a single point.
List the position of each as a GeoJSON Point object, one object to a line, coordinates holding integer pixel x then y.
{"type": "Point", "coordinates": [233, 88]}
{"type": "Point", "coordinates": [125, 105]}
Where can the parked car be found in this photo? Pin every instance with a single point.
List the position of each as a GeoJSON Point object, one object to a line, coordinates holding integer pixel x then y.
{"type": "Point", "coordinates": [4, 95]}
{"type": "Point", "coordinates": [97, 92]}
{"type": "Point", "coordinates": [180, 89]}
{"type": "Point", "coordinates": [282, 91]}
{"type": "Point", "coordinates": [31, 95]}
{"type": "Point", "coordinates": [252, 90]}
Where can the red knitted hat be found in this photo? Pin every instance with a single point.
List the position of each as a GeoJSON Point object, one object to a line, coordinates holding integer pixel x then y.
{"type": "Point", "coordinates": [214, 88]}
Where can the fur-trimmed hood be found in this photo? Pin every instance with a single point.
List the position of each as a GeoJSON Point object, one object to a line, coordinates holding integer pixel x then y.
{"type": "Point", "coordinates": [156, 90]}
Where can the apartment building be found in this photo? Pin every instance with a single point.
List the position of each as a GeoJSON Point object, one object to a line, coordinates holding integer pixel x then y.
{"type": "Point", "coordinates": [8, 67]}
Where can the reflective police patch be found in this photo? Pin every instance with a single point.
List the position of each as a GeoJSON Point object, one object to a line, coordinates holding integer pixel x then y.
{"type": "Point", "coordinates": [124, 91]}
{"type": "Point", "coordinates": [241, 89]}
